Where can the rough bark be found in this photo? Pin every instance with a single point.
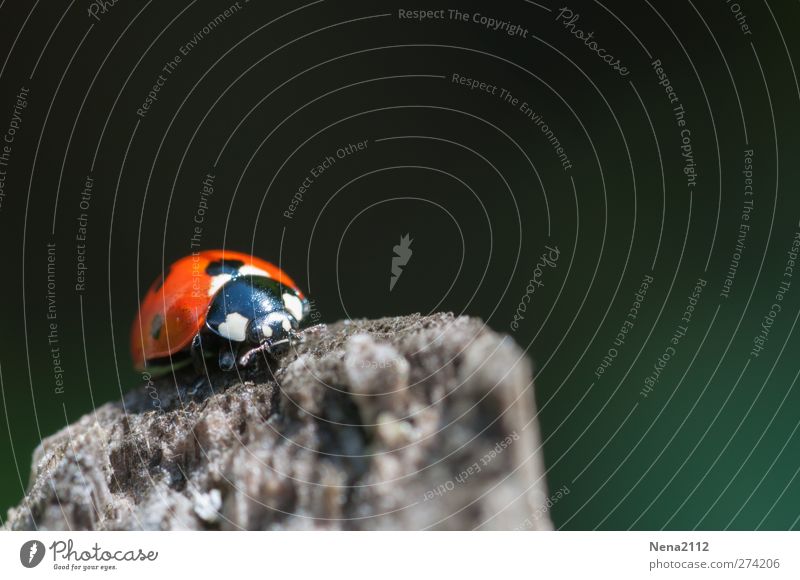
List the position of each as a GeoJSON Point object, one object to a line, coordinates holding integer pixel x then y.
{"type": "Point", "coordinates": [399, 423]}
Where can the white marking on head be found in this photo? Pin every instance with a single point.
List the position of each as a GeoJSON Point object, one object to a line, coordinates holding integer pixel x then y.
{"type": "Point", "coordinates": [217, 282]}
{"type": "Point", "coordinates": [266, 330]}
{"type": "Point", "coordinates": [234, 328]}
{"type": "Point", "coordinates": [253, 271]}
{"type": "Point", "coordinates": [293, 305]}
{"type": "Point", "coordinates": [287, 326]}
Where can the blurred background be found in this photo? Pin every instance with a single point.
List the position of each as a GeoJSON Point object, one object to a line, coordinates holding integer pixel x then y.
{"type": "Point", "coordinates": [682, 423]}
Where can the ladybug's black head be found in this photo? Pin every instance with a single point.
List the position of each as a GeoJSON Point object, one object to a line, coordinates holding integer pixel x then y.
{"type": "Point", "coordinates": [274, 329]}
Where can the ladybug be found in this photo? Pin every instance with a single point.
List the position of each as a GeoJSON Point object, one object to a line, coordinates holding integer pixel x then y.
{"type": "Point", "coordinates": [216, 302]}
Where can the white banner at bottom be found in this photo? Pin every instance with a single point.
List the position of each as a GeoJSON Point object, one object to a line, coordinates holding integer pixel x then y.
{"type": "Point", "coordinates": [389, 555]}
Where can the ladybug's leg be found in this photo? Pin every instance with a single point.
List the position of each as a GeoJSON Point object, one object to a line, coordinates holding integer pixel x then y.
{"type": "Point", "coordinates": [249, 356]}
{"type": "Point", "coordinates": [198, 386]}
{"type": "Point", "coordinates": [202, 383]}
{"type": "Point", "coordinates": [196, 352]}
{"type": "Point", "coordinates": [227, 358]}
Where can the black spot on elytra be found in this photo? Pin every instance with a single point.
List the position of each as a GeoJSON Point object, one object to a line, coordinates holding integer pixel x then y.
{"type": "Point", "coordinates": [218, 267]}
{"type": "Point", "coordinates": [156, 326]}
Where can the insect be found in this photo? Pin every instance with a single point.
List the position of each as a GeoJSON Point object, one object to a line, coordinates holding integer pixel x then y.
{"type": "Point", "coordinates": [216, 302]}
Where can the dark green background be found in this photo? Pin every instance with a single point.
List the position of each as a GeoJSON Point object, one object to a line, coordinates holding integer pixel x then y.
{"type": "Point", "coordinates": [714, 446]}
